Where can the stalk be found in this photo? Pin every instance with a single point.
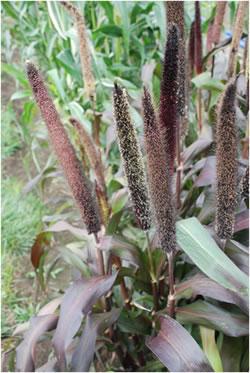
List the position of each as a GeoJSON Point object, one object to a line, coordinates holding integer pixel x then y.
{"type": "Point", "coordinates": [171, 293]}
{"type": "Point", "coordinates": [237, 32]}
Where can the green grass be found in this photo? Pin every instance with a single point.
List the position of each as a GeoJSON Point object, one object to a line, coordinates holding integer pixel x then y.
{"type": "Point", "coordinates": [21, 217]}
{"type": "Point", "coordinates": [21, 222]}
{"type": "Point", "coordinates": [11, 139]}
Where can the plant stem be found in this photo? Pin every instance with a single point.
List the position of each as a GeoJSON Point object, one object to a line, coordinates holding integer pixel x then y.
{"type": "Point", "coordinates": [199, 110]}
{"type": "Point", "coordinates": [171, 293]}
{"type": "Point", "coordinates": [99, 256]}
{"type": "Point", "coordinates": [154, 281]}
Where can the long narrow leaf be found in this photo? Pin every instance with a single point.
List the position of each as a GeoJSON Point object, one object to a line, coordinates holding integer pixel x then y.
{"type": "Point", "coordinates": [78, 300]}
{"type": "Point", "coordinates": [197, 243]}
{"type": "Point", "coordinates": [203, 313]}
{"type": "Point", "coordinates": [176, 349]}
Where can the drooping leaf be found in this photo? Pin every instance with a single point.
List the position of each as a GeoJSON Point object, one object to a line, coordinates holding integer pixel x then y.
{"type": "Point", "coordinates": [196, 148]}
{"type": "Point", "coordinates": [176, 349]}
{"type": "Point", "coordinates": [210, 348]}
{"type": "Point", "coordinates": [202, 285]}
{"type": "Point", "coordinates": [62, 226]}
{"type": "Point", "coordinates": [206, 314]}
{"type": "Point", "coordinates": [25, 359]}
{"type": "Point", "coordinates": [95, 324]}
{"type": "Point", "coordinates": [78, 300]}
{"type": "Point", "coordinates": [37, 248]}
{"type": "Point", "coordinates": [197, 243]}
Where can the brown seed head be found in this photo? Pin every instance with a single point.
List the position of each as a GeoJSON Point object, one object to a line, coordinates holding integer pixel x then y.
{"type": "Point", "coordinates": [159, 178]}
{"type": "Point", "coordinates": [85, 55]}
{"type": "Point", "coordinates": [168, 115]}
{"type": "Point", "coordinates": [244, 184]}
{"type": "Point", "coordinates": [226, 162]}
{"type": "Point", "coordinates": [132, 158]}
{"type": "Point", "coordinates": [218, 21]}
{"type": "Point", "coordinates": [64, 150]}
{"type": "Point", "coordinates": [175, 14]}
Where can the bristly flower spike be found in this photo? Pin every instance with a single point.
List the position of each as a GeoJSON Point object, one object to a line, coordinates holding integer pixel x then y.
{"type": "Point", "coordinates": [226, 162]}
{"type": "Point", "coordinates": [64, 150]}
{"type": "Point", "coordinates": [168, 112]}
{"type": "Point", "coordinates": [159, 178]}
{"type": "Point", "coordinates": [131, 157]}
{"type": "Point", "coordinates": [85, 55]}
{"type": "Point", "coordinates": [175, 14]}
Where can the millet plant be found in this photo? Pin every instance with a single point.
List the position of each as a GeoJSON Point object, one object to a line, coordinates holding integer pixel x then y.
{"type": "Point", "coordinates": [167, 290]}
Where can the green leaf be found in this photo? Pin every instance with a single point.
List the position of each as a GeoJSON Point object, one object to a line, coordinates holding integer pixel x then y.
{"type": "Point", "coordinates": [53, 74]}
{"type": "Point", "coordinates": [66, 59]}
{"type": "Point", "coordinates": [210, 348]}
{"type": "Point", "coordinates": [205, 81]}
{"type": "Point", "coordinates": [20, 94]}
{"type": "Point", "coordinates": [76, 110]}
{"type": "Point", "coordinates": [10, 9]}
{"type": "Point", "coordinates": [197, 243]}
{"type": "Point", "coordinates": [119, 200]}
{"type": "Point", "coordinates": [16, 73]}
{"type": "Point", "coordinates": [56, 18]}
{"type": "Point", "coordinates": [123, 7]}
{"type": "Point", "coordinates": [109, 10]}
{"type": "Point", "coordinates": [110, 30]}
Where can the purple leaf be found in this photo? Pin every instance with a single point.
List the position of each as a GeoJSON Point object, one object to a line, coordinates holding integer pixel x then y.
{"type": "Point", "coordinates": [196, 148]}
{"type": "Point", "coordinates": [121, 248]}
{"type": "Point", "coordinates": [78, 300]}
{"type": "Point", "coordinates": [62, 226]}
{"type": "Point", "coordinates": [241, 221]}
{"type": "Point", "coordinates": [176, 349]}
{"type": "Point", "coordinates": [203, 313]}
{"type": "Point", "coordinates": [202, 285]}
{"type": "Point", "coordinates": [25, 359]}
{"type": "Point", "coordinates": [239, 255]}
{"type": "Point", "coordinates": [208, 173]}
{"type": "Point", "coordinates": [95, 324]}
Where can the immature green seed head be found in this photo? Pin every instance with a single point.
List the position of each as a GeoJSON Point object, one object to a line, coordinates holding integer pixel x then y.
{"type": "Point", "coordinates": [159, 178]}
{"type": "Point", "coordinates": [64, 150]}
{"type": "Point", "coordinates": [132, 158]}
{"type": "Point", "coordinates": [226, 162]}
